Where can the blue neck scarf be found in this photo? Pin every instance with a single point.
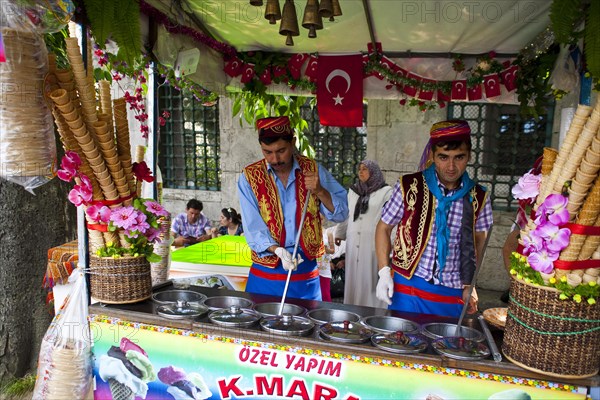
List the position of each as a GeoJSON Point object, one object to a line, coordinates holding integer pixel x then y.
{"type": "Point", "coordinates": [442, 210]}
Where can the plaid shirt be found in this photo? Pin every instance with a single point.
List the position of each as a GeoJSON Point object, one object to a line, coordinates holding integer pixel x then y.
{"type": "Point", "coordinates": [182, 227]}
{"type": "Point", "coordinates": [392, 215]}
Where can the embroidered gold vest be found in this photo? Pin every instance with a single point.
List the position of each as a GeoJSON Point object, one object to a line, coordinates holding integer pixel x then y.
{"type": "Point", "coordinates": [415, 227]}
{"type": "Point", "coordinates": [264, 188]}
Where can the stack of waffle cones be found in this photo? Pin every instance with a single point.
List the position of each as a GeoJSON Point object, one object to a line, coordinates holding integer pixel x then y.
{"type": "Point", "coordinates": [27, 145]}
{"type": "Point", "coordinates": [91, 133]}
{"type": "Point", "coordinates": [576, 171]}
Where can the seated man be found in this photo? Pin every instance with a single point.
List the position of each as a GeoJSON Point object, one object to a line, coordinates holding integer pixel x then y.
{"type": "Point", "coordinates": [192, 226]}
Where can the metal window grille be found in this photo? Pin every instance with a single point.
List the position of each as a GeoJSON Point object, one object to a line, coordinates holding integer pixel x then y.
{"type": "Point", "coordinates": [505, 146]}
{"type": "Point", "coordinates": [189, 147]}
{"type": "Point", "coordinates": [340, 150]}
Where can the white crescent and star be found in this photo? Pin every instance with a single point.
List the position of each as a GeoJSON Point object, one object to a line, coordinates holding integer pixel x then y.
{"type": "Point", "coordinates": [343, 74]}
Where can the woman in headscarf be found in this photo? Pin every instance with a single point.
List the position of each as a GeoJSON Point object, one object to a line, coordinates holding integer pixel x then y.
{"type": "Point", "coordinates": [365, 201]}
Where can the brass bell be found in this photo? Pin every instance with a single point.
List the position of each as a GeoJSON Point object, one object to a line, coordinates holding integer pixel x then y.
{"type": "Point", "coordinates": [312, 20]}
{"type": "Point", "coordinates": [325, 9]}
{"type": "Point", "coordinates": [272, 11]}
{"type": "Point", "coordinates": [289, 22]}
{"type": "Point", "coordinates": [257, 3]}
{"type": "Point", "coordinates": [337, 10]}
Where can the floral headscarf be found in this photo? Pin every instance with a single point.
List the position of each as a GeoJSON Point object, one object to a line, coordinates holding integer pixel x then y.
{"type": "Point", "coordinates": [364, 189]}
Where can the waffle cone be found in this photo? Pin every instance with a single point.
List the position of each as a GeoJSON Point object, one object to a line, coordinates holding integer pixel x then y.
{"type": "Point", "coordinates": [571, 252]}
{"type": "Point", "coordinates": [584, 177]}
{"type": "Point", "coordinates": [589, 247]}
{"type": "Point", "coordinates": [59, 97]}
{"type": "Point", "coordinates": [576, 186]}
{"type": "Point", "coordinates": [596, 144]}
{"type": "Point", "coordinates": [592, 271]}
{"type": "Point", "coordinates": [592, 157]}
{"type": "Point", "coordinates": [581, 114]}
{"type": "Point", "coordinates": [64, 75]}
{"type": "Point", "coordinates": [573, 280]}
{"type": "Point", "coordinates": [89, 146]}
{"type": "Point", "coordinates": [71, 116]}
{"type": "Point", "coordinates": [548, 160]}
{"type": "Point", "coordinates": [96, 240]}
{"type": "Point", "coordinates": [589, 168]}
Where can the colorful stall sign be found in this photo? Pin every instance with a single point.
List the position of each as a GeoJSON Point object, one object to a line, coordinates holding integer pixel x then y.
{"type": "Point", "coordinates": [213, 363]}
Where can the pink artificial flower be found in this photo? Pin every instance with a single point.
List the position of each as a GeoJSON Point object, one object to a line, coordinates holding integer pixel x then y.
{"type": "Point", "coordinates": [555, 239]}
{"type": "Point", "coordinates": [555, 209]}
{"type": "Point", "coordinates": [528, 187]}
{"type": "Point", "coordinates": [65, 175]}
{"type": "Point", "coordinates": [152, 234]}
{"type": "Point", "coordinates": [69, 164]}
{"type": "Point", "coordinates": [124, 217]}
{"type": "Point", "coordinates": [166, 114]}
{"type": "Point", "coordinates": [86, 184]}
{"type": "Point", "coordinates": [80, 195]}
{"type": "Point", "coordinates": [99, 212]}
{"type": "Point", "coordinates": [542, 261]}
{"type": "Point", "coordinates": [532, 242]}
{"type": "Point", "coordinates": [155, 208]}
{"type": "Point", "coordinates": [162, 121]}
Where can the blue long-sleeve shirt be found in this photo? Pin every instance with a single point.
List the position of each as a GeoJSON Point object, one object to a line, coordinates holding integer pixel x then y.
{"type": "Point", "coordinates": [255, 229]}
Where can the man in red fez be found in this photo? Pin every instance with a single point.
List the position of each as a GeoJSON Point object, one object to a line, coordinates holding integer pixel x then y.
{"type": "Point", "coordinates": [272, 194]}
{"type": "Point", "coordinates": [442, 218]}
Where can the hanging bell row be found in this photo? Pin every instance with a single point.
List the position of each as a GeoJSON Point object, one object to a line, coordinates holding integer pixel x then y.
{"type": "Point", "coordinates": [311, 20]}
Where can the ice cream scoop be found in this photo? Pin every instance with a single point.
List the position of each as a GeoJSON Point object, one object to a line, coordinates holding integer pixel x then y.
{"type": "Point", "coordinates": [142, 363]}
{"type": "Point", "coordinates": [115, 352]}
{"type": "Point", "coordinates": [127, 345]}
{"type": "Point", "coordinates": [169, 375]}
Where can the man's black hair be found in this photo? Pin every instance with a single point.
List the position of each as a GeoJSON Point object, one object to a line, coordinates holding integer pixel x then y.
{"type": "Point", "coordinates": [195, 204]}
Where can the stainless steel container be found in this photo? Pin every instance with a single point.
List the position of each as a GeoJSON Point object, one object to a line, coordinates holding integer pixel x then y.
{"type": "Point", "coordinates": [323, 315]}
{"type": "Point", "coordinates": [272, 309]}
{"type": "Point", "coordinates": [181, 309]}
{"type": "Point", "coordinates": [437, 330]}
{"type": "Point", "coordinates": [220, 302]}
{"type": "Point", "coordinates": [287, 325]}
{"type": "Point", "coordinates": [171, 296]}
{"type": "Point", "coordinates": [387, 324]}
{"type": "Point", "coordinates": [345, 331]}
{"type": "Point", "coordinates": [234, 316]}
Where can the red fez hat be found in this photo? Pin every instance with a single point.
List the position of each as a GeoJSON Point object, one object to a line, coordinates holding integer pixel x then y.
{"type": "Point", "coordinates": [449, 131]}
{"type": "Point", "coordinates": [273, 127]}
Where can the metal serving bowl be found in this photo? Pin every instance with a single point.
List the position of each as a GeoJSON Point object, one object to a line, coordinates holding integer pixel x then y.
{"type": "Point", "coordinates": [323, 315]}
{"type": "Point", "coordinates": [234, 316]}
{"type": "Point", "coordinates": [272, 309]}
{"type": "Point", "coordinates": [220, 302]}
{"type": "Point", "coordinates": [437, 330]}
{"type": "Point", "coordinates": [287, 325]}
{"type": "Point", "coordinates": [171, 296]}
{"type": "Point", "coordinates": [387, 324]}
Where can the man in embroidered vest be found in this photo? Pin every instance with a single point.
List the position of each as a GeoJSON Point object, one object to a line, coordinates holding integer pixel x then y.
{"type": "Point", "coordinates": [442, 218]}
{"type": "Point", "coordinates": [272, 195]}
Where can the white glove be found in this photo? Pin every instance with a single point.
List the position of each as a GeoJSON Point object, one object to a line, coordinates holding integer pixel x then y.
{"type": "Point", "coordinates": [385, 286]}
{"type": "Point", "coordinates": [286, 258]}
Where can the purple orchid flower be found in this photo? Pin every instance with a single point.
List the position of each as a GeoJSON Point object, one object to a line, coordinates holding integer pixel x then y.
{"type": "Point", "coordinates": [555, 208]}
{"type": "Point", "coordinates": [532, 242]}
{"type": "Point", "coordinates": [542, 261]}
{"type": "Point", "coordinates": [152, 234]}
{"type": "Point", "coordinates": [555, 238]}
{"type": "Point", "coordinates": [528, 187]}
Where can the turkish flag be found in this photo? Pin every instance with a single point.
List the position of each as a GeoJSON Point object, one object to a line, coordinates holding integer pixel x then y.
{"type": "Point", "coordinates": [508, 78]}
{"type": "Point", "coordinates": [426, 93]}
{"type": "Point", "coordinates": [412, 90]}
{"type": "Point", "coordinates": [441, 96]}
{"type": "Point", "coordinates": [340, 90]}
{"type": "Point", "coordinates": [475, 93]}
{"type": "Point", "coordinates": [247, 73]}
{"type": "Point", "coordinates": [459, 90]}
{"type": "Point", "coordinates": [491, 83]}
{"type": "Point", "coordinates": [233, 67]}
{"type": "Point", "coordinates": [311, 69]}
{"type": "Point", "coordinates": [265, 77]}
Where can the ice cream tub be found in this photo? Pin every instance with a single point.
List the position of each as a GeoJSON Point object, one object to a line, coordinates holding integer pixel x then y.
{"type": "Point", "coordinates": [171, 296]}
{"type": "Point", "coordinates": [387, 324]}
{"type": "Point", "coordinates": [272, 309]}
{"type": "Point", "coordinates": [221, 302]}
{"type": "Point", "coordinates": [323, 315]}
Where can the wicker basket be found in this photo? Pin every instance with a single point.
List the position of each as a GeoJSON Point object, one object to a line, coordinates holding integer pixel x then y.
{"type": "Point", "coordinates": [120, 280]}
{"type": "Point", "coordinates": [549, 336]}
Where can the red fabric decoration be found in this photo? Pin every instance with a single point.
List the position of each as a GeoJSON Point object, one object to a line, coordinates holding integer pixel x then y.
{"type": "Point", "coordinates": [233, 67]}
{"type": "Point", "coordinates": [459, 90]}
{"type": "Point", "coordinates": [311, 69]}
{"type": "Point", "coordinates": [371, 49]}
{"type": "Point", "coordinates": [248, 73]}
{"type": "Point", "coordinates": [271, 127]}
{"type": "Point", "coordinates": [491, 83]}
{"type": "Point", "coordinates": [475, 93]}
{"type": "Point", "coordinates": [279, 71]}
{"type": "Point", "coordinates": [509, 78]}
{"type": "Point", "coordinates": [265, 77]}
{"type": "Point", "coordinates": [340, 90]}
{"type": "Point", "coordinates": [426, 94]}
{"type": "Point", "coordinates": [386, 63]}
{"type": "Point", "coordinates": [441, 96]}
{"type": "Point", "coordinates": [412, 90]}
{"type": "Point", "coordinates": [295, 64]}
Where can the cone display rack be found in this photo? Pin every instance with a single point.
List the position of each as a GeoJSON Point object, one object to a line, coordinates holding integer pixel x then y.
{"type": "Point", "coordinates": [97, 130]}
{"type": "Point", "coordinates": [543, 333]}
